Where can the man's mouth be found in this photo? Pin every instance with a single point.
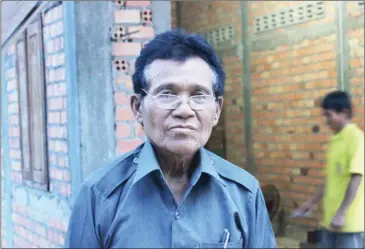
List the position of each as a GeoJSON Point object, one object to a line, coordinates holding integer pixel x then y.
{"type": "Point", "coordinates": [182, 128]}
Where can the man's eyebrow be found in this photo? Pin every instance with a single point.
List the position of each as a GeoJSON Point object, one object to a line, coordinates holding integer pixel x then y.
{"type": "Point", "coordinates": [174, 86]}
{"type": "Point", "coordinates": [198, 87]}
{"type": "Point", "coordinates": [164, 86]}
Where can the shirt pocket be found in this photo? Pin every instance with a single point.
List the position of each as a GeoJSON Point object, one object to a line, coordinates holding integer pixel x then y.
{"type": "Point", "coordinates": [236, 244]}
{"type": "Point", "coordinates": [341, 165]}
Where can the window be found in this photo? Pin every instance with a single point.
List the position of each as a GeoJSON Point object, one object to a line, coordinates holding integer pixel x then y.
{"type": "Point", "coordinates": [30, 71]}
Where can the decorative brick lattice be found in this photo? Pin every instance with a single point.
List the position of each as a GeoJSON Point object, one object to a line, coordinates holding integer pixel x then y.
{"type": "Point", "coordinates": [290, 16]}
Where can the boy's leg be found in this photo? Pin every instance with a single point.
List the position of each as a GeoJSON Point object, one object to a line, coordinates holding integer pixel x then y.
{"type": "Point", "coordinates": [350, 240]}
{"type": "Point", "coordinates": [327, 239]}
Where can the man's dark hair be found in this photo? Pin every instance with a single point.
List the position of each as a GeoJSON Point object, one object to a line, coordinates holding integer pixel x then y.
{"type": "Point", "coordinates": [177, 45]}
{"type": "Point", "coordinates": [338, 101]}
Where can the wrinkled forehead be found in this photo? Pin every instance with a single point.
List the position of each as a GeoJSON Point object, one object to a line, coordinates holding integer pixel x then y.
{"type": "Point", "coordinates": [192, 72]}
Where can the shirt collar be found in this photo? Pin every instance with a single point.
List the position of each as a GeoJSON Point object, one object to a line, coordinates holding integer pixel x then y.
{"type": "Point", "coordinates": [147, 163]}
{"type": "Point", "coordinates": [208, 165]}
{"type": "Point", "coordinates": [341, 133]}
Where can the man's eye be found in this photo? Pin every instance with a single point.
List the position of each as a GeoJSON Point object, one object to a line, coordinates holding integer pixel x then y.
{"type": "Point", "coordinates": [200, 93]}
{"type": "Point", "coordinates": [166, 92]}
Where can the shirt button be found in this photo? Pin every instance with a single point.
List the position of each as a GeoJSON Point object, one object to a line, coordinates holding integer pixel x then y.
{"type": "Point", "coordinates": [136, 160]}
{"type": "Point", "coordinates": [177, 215]}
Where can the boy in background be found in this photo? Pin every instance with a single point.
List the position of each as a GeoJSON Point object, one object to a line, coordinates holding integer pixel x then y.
{"type": "Point", "coordinates": [343, 190]}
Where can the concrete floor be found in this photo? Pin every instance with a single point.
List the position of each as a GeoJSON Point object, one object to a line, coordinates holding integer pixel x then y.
{"type": "Point", "coordinates": [286, 242]}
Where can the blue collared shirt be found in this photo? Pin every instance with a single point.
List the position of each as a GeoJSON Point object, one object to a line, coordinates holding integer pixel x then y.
{"type": "Point", "coordinates": [129, 205]}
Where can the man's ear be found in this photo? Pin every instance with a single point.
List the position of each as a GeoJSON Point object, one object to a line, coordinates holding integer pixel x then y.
{"type": "Point", "coordinates": [218, 110]}
{"type": "Point", "coordinates": [136, 106]}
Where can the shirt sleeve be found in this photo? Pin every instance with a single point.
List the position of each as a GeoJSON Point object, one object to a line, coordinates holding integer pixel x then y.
{"type": "Point", "coordinates": [81, 231]}
{"type": "Point", "coordinates": [357, 157]}
{"type": "Point", "coordinates": [263, 235]}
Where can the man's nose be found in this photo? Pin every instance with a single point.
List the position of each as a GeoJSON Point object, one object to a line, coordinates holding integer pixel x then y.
{"type": "Point", "coordinates": [184, 110]}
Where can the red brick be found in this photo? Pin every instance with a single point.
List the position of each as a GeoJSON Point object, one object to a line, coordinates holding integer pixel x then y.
{"type": "Point", "coordinates": [13, 108]}
{"type": "Point", "coordinates": [52, 223]}
{"type": "Point", "coordinates": [139, 3]}
{"type": "Point", "coordinates": [11, 85]}
{"type": "Point", "coordinates": [57, 174]}
{"type": "Point", "coordinates": [356, 62]}
{"type": "Point", "coordinates": [60, 11]}
{"type": "Point", "coordinates": [61, 161]}
{"type": "Point", "coordinates": [43, 243]}
{"type": "Point", "coordinates": [54, 117]}
{"type": "Point", "coordinates": [13, 97]}
{"type": "Point", "coordinates": [66, 175]}
{"type": "Point", "coordinates": [14, 154]}
{"type": "Point", "coordinates": [127, 16]}
{"type": "Point", "coordinates": [53, 172]}
{"type": "Point", "coordinates": [11, 73]}
{"type": "Point", "coordinates": [41, 230]}
{"type": "Point", "coordinates": [69, 190]}
{"type": "Point", "coordinates": [143, 32]}
{"type": "Point", "coordinates": [123, 130]}
{"type": "Point", "coordinates": [126, 49]}
{"type": "Point", "coordinates": [14, 143]}
{"type": "Point", "coordinates": [64, 225]}
{"type": "Point", "coordinates": [60, 146]}
{"type": "Point", "coordinates": [11, 49]}
{"type": "Point", "coordinates": [47, 18]}
{"type": "Point", "coordinates": [63, 117]}
{"type": "Point", "coordinates": [121, 98]}
{"type": "Point", "coordinates": [49, 91]}
{"type": "Point", "coordinates": [128, 145]}
{"type": "Point", "coordinates": [13, 120]}
{"type": "Point", "coordinates": [59, 43]}
{"type": "Point", "coordinates": [16, 166]}
{"type": "Point", "coordinates": [316, 49]}
{"type": "Point", "coordinates": [125, 81]}
{"type": "Point", "coordinates": [124, 114]}
{"type": "Point", "coordinates": [55, 104]}
{"type": "Point", "coordinates": [56, 29]}
{"type": "Point", "coordinates": [56, 13]}
{"type": "Point", "coordinates": [51, 235]}
{"type": "Point", "coordinates": [19, 242]}
{"type": "Point", "coordinates": [52, 132]}
{"type": "Point", "coordinates": [60, 74]}
{"type": "Point", "coordinates": [63, 191]}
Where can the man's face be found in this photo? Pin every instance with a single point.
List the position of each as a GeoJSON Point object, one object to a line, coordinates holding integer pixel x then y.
{"type": "Point", "coordinates": [182, 130]}
{"type": "Point", "coordinates": [334, 120]}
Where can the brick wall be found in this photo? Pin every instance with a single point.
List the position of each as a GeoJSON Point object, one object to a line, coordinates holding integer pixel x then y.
{"type": "Point", "coordinates": [132, 16]}
{"type": "Point", "coordinates": [356, 54]}
{"type": "Point", "coordinates": [39, 218]}
{"type": "Point", "coordinates": [286, 82]}
{"type": "Point", "coordinates": [228, 137]}
{"type": "Point", "coordinates": [56, 102]}
{"type": "Point", "coordinates": [291, 68]}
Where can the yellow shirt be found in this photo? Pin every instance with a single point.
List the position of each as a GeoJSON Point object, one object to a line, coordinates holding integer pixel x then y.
{"type": "Point", "coordinates": [345, 157]}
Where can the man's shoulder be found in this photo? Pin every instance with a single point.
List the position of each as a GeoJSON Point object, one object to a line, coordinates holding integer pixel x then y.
{"type": "Point", "coordinates": [233, 173]}
{"type": "Point", "coordinates": [354, 129]}
{"type": "Point", "coordinates": [112, 175]}
{"type": "Point", "coordinates": [354, 135]}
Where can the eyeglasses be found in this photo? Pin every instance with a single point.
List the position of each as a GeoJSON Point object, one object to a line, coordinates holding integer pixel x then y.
{"type": "Point", "coordinates": [172, 101]}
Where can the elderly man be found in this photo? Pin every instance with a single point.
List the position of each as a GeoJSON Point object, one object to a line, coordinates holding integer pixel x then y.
{"type": "Point", "coordinates": [170, 191]}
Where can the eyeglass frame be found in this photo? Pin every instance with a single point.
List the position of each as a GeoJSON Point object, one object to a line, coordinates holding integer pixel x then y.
{"type": "Point", "coordinates": [213, 97]}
